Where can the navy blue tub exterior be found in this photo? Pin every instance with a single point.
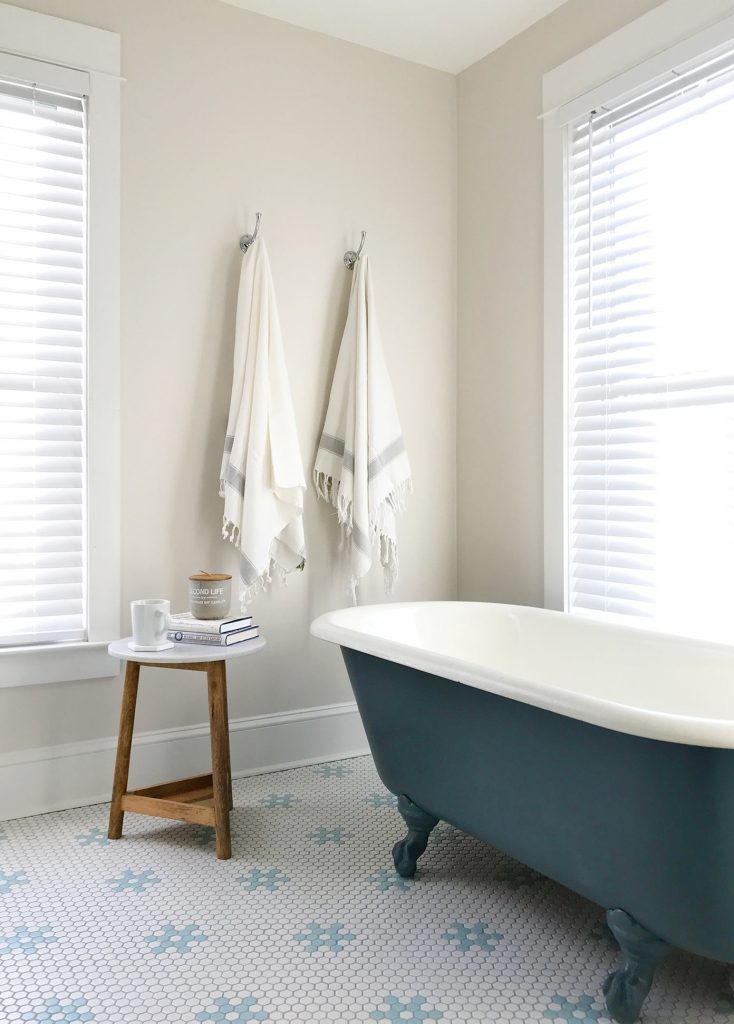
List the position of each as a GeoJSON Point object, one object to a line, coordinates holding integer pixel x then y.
{"type": "Point", "coordinates": [641, 826]}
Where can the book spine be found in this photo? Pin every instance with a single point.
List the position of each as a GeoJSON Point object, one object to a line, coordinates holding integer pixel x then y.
{"type": "Point", "coordinates": [236, 638]}
{"type": "Point", "coordinates": [213, 639]}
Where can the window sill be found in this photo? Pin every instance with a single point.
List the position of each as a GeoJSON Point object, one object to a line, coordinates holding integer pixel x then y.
{"type": "Point", "coordinates": [55, 663]}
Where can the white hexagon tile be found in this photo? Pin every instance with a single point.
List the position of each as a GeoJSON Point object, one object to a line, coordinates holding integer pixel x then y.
{"type": "Point", "coordinates": [307, 922]}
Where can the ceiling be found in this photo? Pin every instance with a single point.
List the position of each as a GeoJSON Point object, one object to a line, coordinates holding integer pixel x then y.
{"type": "Point", "coordinates": [445, 34]}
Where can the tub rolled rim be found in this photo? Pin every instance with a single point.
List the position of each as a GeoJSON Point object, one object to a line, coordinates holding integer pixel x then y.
{"type": "Point", "coordinates": [621, 717]}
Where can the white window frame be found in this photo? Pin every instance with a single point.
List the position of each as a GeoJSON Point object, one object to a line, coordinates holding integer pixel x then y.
{"type": "Point", "coordinates": [64, 45]}
{"type": "Point", "coordinates": [672, 34]}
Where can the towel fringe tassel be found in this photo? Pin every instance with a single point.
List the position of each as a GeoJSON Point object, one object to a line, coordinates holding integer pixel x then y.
{"type": "Point", "coordinates": [249, 591]}
{"type": "Point", "coordinates": [230, 531]}
{"type": "Point", "coordinates": [331, 491]}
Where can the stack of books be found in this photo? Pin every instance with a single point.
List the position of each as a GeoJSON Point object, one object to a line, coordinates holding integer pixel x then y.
{"type": "Point", "coordinates": [183, 628]}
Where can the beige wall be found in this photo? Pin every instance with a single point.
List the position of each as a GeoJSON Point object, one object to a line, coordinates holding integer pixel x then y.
{"type": "Point", "coordinates": [226, 113]}
{"type": "Point", "coordinates": [500, 300]}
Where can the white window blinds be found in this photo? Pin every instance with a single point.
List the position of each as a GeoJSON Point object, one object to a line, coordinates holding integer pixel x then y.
{"type": "Point", "coordinates": [43, 160]}
{"type": "Point", "coordinates": [650, 313]}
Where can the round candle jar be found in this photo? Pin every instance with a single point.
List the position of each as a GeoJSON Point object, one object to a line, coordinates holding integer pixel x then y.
{"type": "Point", "coordinates": [210, 595]}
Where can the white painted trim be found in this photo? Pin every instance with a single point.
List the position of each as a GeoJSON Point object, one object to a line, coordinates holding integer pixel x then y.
{"type": "Point", "coordinates": [103, 361]}
{"type": "Point", "coordinates": [670, 35]}
{"type": "Point", "coordinates": [554, 361]}
{"type": "Point", "coordinates": [648, 36]}
{"type": "Point", "coordinates": [76, 774]}
{"type": "Point", "coordinates": [58, 41]}
{"type": "Point", "coordinates": [55, 663]}
{"type": "Point", "coordinates": [51, 76]}
{"type": "Point", "coordinates": [712, 42]}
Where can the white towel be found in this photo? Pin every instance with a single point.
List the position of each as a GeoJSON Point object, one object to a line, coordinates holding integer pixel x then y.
{"type": "Point", "coordinates": [361, 466]}
{"type": "Point", "coordinates": [261, 479]}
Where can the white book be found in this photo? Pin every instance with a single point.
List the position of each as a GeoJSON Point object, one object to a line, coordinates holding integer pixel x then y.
{"type": "Point", "coordinates": [214, 639]}
{"type": "Point", "coordinates": [186, 623]}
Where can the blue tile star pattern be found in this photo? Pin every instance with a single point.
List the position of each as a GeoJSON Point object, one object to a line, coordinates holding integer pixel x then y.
{"type": "Point", "coordinates": [336, 835]}
{"type": "Point", "coordinates": [129, 881]}
{"type": "Point", "coordinates": [279, 800]}
{"type": "Point", "coordinates": [204, 835]}
{"type": "Point", "coordinates": [26, 940]}
{"type": "Point", "coordinates": [412, 1009]}
{"type": "Point", "coordinates": [177, 939]}
{"type": "Point", "coordinates": [317, 936]}
{"type": "Point", "coordinates": [94, 837]}
{"type": "Point", "coordinates": [300, 927]}
{"type": "Point", "coordinates": [386, 879]}
{"type": "Point", "coordinates": [382, 800]}
{"type": "Point", "coordinates": [579, 1010]}
{"type": "Point", "coordinates": [235, 1011]}
{"type": "Point", "coordinates": [271, 879]}
{"type": "Point", "coordinates": [475, 936]}
{"type": "Point", "coordinates": [58, 1010]}
{"type": "Point", "coordinates": [9, 879]}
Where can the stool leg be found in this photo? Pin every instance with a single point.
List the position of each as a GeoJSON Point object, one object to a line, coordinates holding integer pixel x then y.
{"type": "Point", "coordinates": [219, 729]}
{"type": "Point", "coordinates": [124, 742]}
{"type": "Point", "coordinates": [226, 722]}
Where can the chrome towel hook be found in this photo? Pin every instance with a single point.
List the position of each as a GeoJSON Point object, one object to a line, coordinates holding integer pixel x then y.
{"type": "Point", "coordinates": [247, 240]}
{"type": "Point", "coordinates": [351, 257]}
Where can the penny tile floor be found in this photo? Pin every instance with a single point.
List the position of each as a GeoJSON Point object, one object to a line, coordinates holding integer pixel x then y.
{"type": "Point", "coordinates": [307, 922]}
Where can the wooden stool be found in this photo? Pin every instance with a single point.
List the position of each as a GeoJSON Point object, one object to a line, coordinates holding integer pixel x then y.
{"type": "Point", "coordinates": [204, 799]}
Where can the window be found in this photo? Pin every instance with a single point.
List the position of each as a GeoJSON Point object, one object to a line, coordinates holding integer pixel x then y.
{"type": "Point", "coordinates": [651, 355]}
{"type": "Point", "coordinates": [59, 349]}
{"type": "Point", "coordinates": [648, 359]}
{"type": "Point", "coordinates": [43, 202]}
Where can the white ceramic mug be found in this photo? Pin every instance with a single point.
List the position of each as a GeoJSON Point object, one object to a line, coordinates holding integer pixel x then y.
{"type": "Point", "coordinates": [150, 621]}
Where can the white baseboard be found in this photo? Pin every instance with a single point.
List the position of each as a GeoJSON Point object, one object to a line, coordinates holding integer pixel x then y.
{"type": "Point", "coordinates": [76, 774]}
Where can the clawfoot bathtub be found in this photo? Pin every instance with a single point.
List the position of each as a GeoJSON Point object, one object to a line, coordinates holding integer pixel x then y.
{"type": "Point", "coordinates": [602, 756]}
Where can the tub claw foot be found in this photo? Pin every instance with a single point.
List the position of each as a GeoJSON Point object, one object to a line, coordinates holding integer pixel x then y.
{"type": "Point", "coordinates": [420, 823]}
{"type": "Point", "coordinates": [625, 990]}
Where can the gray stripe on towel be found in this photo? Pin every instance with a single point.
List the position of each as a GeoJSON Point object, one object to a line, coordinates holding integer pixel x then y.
{"type": "Point", "coordinates": [235, 479]}
{"type": "Point", "coordinates": [376, 466]}
{"type": "Point", "coordinates": [228, 443]}
{"type": "Point", "coordinates": [332, 444]}
{"type": "Point", "coordinates": [248, 572]}
{"type": "Point", "coordinates": [385, 458]}
{"type": "Point", "coordinates": [361, 539]}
